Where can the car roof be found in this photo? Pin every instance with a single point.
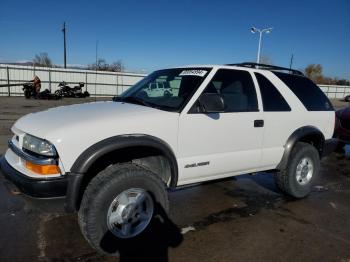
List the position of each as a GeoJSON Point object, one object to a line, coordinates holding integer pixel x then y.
{"type": "Point", "coordinates": [255, 67]}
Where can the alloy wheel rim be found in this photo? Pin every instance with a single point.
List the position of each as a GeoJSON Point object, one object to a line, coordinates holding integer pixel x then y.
{"type": "Point", "coordinates": [130, 213]}
{"type": "Point", "coordinates": [304, 171]}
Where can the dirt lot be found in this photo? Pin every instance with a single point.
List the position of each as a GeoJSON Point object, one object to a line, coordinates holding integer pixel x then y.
{"type": "Point", "coordinates": [241, 219]}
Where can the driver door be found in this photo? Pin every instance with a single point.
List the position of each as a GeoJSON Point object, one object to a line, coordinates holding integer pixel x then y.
{"type": "Point", "coordinates": [216, 145]}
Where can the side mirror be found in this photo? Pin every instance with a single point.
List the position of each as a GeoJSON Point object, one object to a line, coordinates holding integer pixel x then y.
{"type": "Point", "coordinates": [211, 103]}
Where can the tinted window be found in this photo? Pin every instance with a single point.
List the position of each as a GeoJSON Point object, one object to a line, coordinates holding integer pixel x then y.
{"type": "Point", "coordinates": [236, 88]}
{"type": "Point", "coordinates": [272, 99]}
{"type": "Point", "coordinates": [308, 93]}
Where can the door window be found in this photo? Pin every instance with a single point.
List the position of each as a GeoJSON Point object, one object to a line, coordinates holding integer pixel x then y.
{"type": "Point", "coordinates": [236, 88]}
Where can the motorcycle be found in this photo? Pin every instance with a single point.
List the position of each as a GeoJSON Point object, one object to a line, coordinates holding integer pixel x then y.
{"type": "Point", "coordinates": [67, 91]}
{"type": "Point", "coordinates": [30, 91]}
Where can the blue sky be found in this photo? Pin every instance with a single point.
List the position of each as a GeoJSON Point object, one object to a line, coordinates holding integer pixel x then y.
{"type": "Point", "coordinates": [155, 34]}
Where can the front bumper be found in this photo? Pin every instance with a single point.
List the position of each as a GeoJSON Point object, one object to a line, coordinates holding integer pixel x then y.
{"type": "Point", "coordinates": [52, 191]}
{"type": "Point", "coordinates": [38, 188]}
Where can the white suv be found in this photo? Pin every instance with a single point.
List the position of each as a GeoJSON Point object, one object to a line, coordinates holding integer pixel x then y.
{"type": "Point", "coordinates": [114, 161]}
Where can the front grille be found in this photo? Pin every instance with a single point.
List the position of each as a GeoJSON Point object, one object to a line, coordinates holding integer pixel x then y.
{"type": "Point", "coordinates": [345, 123]}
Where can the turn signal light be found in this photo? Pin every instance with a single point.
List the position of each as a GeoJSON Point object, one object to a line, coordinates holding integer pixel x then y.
{"type": "Point", "coordinates": [43, 169]}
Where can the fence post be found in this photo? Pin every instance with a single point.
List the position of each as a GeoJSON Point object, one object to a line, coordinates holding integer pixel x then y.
{"type": "Point", "coordinates": [117, 84]}
{"type": "Point", "coordinates": [86, 83]}
{"type": "Point", "coordinates": [328, 91]}
{"type": "Point", "coordinates": [8, 81]}
{"type": "Point", "coordinates": [50, 79]}
{"type": "Point", "coordinates": [336, 92]}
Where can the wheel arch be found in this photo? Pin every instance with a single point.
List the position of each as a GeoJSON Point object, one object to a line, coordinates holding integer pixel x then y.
{"type": "Point", "coordinates": [155, 150]}
{"type": "Point", "coordinates": [307, 134]}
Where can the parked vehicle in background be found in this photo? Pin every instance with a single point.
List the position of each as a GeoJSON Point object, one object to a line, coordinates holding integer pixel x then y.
{"type": "Point", "coordinates": [342, 127]}
{"type": "Point", "coordinates": [67, 91]}
{"type": "Point", "coordinates": [161, 88]}
{"type": "Point", "coordinates": [30, 91]}
{"type": "Point", "coordinates": [347, 98]}
{"type": "Point", "coordinates": [113, 162]}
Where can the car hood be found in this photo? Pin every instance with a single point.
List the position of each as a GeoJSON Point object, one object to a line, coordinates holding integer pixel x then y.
{"type": "Point", "coordinates": [344, 113]}
{"type": "Point", "coordinates": [72, 129]}
{"type": "Point", "coordinates": [54, 119]}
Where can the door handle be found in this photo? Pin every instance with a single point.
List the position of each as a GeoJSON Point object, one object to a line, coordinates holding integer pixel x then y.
{"type": "Point", "coordinates": [258, 123]}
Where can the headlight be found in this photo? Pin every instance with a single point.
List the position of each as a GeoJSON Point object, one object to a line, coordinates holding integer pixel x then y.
{"type": "Point", "coordinates": [38, 146]}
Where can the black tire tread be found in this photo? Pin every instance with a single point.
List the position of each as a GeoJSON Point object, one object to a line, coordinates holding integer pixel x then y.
{"type": "Point", "coordinates": [282, 177]}
{"type": "Point", "coordinates": [112, 174]}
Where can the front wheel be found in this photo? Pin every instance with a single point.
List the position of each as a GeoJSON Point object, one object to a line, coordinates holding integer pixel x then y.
{"type": "Point", "coordinates": [119, 204]}
{"type": "Point", "coordinates": [302, 169]}
{"type": "Point", "coordinates": [27, 94]}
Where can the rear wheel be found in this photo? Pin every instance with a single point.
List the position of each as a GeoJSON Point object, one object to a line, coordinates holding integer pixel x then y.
{"type": "Point", "coordinates": [119, 203]}
{"type": "Point", "coordinates": [302, 170]}
{"type": "Point", "coordinates": [58, 93]}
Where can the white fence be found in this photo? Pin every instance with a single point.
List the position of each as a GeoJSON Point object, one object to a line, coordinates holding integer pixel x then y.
{"type": "Point", "coordinates": [97, 83]}
{"type": "Point", "coordinates": [335, 91]}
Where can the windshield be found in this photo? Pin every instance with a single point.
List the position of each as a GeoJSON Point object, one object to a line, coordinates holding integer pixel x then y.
{"type": "Point", "coordinates": [166, 89]}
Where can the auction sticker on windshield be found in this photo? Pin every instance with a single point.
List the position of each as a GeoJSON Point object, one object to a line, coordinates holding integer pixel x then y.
{"type": "Point", "coordinates": [194, 72]}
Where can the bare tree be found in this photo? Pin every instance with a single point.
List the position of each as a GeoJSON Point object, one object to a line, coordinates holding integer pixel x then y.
{"type": "Point", "coordinates": [42, 59]}
{"type": "Point", "coordinates": [116, 66]}
{"type": "Point", "coordinates": [102, 65]}
{"type": "Point", "coordinates": [264, 59]}
{"type": "Point", "coordinates": [314, 72]}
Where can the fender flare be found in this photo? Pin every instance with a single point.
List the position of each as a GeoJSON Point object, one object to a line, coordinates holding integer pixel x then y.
{"type": "Point", "coordinates": [294, 138]}
{"type": "Point", "coordinates": [94, 152]}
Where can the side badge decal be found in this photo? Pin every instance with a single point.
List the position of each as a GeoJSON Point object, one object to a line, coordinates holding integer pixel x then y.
{"type": "Point", "coordinates": [197, 164]}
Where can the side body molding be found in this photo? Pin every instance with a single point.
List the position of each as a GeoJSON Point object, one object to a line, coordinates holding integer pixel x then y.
{"type": "Point", "coordinates": [93, 153]}
{"type": "Point", "coordinates": [296, 136]}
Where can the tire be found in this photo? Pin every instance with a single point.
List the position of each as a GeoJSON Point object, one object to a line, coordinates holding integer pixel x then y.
{"type": "Point", "coordinates": [27, 94]}
{"type": "Point", "coordinates": [104, 190]}
{"type": "Point", "coordinates": [290, 181]}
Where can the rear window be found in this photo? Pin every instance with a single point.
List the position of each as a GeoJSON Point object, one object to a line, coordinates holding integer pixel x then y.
{"type": "Point", "coordinates": [308, 93]}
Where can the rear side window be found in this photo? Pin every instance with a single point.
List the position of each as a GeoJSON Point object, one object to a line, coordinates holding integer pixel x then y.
{"type": "Point", "coordinates": [272, 99]}
{"type": "Point", "coordinates": [308, 93]}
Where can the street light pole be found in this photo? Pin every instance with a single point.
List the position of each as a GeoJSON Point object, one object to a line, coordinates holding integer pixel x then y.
{"type": "Point", "coordinates": [258, 57]}
{"type": "Point", "coordinates": [255, 30]}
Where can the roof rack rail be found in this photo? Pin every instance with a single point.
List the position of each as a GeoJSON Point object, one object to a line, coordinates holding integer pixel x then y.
{"type": "Point", "coordinates": [268, 67]}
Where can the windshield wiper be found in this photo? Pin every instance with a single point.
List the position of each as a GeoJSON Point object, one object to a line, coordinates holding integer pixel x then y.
{"type": "Point", "coordinates": [132, 100]}
{"type": "Point", "coordinates": [139, 101]}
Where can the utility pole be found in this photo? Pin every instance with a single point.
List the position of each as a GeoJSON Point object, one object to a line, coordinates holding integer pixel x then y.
{"type": "Point", "coordinates": [64, 45]}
